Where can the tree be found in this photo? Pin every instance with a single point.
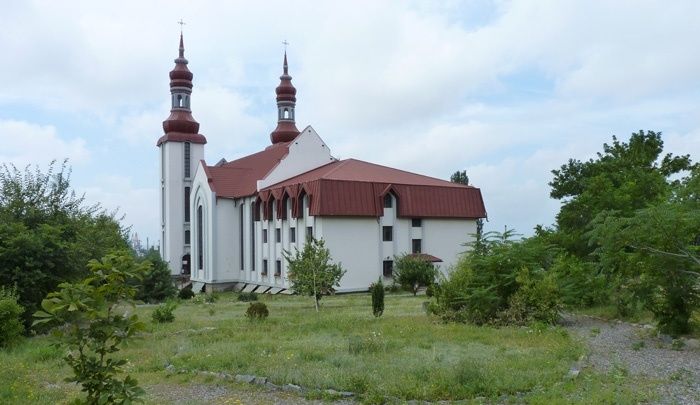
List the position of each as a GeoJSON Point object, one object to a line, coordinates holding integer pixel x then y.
{"type": "Point", "coordinates": [48, 233]}
{"type": "Point", "coordinates": [11, 326]}
{"type": "Point", "coordinates": [377, 291]}
{"type": "Point", "coordinates": [623, 178]}
{"type": "Point", "coordinates": [413, 271]}
{"type": "Point", "coordinates": [460, 177]}
{"type": "Point", "coordinates": [655, 254]}
{"type": "Point", "coordinates": [311, 271]}
{"type": "Point", "coordinates": [95, 324]}
{"type": "Point", "coordinates": [156, 285]}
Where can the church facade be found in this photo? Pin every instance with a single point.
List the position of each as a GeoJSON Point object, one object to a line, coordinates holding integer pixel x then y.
{"type": "Point", "coordinates": [227, 225]}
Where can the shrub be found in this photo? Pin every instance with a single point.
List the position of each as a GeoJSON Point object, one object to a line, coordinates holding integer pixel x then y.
{"type": "Point", "coordinates": [579, 282]}
{"type": "Point", "coordinates": [257, 311]}
{"type": "Point", "coordinates": [164, 313]}
{"type": "Point", "coordinates": [157, 283]}
{"type": "Point", "coordinates": [536, 300]}
{"type": "Point", "coordinates": [412, 272]}
{"type": "Point", "coordinates": [211, 298]}
{"type": "Point", "coordinates": [247, 296]}
{"type": "Point", "coordinates": [371, 343]}
{"type": "Point", "coordinates": [186, 293]}
{"type": "Point", "coordinates": [11, 326]}
{"type": "Point", "coordinates": [377, 291]}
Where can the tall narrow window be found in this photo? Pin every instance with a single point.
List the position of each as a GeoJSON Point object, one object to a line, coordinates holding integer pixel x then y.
{"type": "Point", "coordinates": [200, 239]}
{"type": "Point", "coordinates": [264, 235]}
{"type": "Point", "coordinates": [416, 245]}
{"type": "Point", "coordinates": [278, 268]}
{"type": "Point", "coordinates": [309, 232]}
{"type": "Point", "coordinates": [187, 237]}
{"type": "Point", "coordinates": [187, 204]}
{"type": "Point", "coordinates": [252, 236]}
{"type": "Point", "coordinates": [278, 235]}
{"type": "Point", "coordinates": [387, 201]}
{"type": "Point", "coordinates": [388, 269]}
{"type": "Point", "coordinates": [187, 160]}
{"type": "Point", "coordinates": [241, 252]}
{"type": "Point", "coordinates": [387, 233]}
{"type": "Point", "coordinates": [264, 270]}
{"type": "Point", "coordinates": [292, 235]}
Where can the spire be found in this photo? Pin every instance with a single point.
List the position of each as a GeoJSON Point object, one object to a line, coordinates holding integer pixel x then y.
{"type": "Point", "coordinates": [286, 129]}
{"type": "Point", "coordinates": [180, 125]}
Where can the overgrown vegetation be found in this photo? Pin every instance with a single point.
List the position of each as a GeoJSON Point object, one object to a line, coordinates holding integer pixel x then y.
{"type": "Point", "coordinates": [11, 326]}
{"type": "Point", "coordinates": [257, 311]}
{"type": "Point", "coordinates": [48, 233]}
{"type": "Point", "coordinates": [247, 296]}
{"type": "Point", "coordinates": [157, 283]}
{"type": "Point", "coordinates": [163, 313]}
{"type": "Point", "coordinates": [412, 272]}
{"type": "Point", "coordinates": [311, 271]}
{"type": "Point", "coordinates": [92, 322]}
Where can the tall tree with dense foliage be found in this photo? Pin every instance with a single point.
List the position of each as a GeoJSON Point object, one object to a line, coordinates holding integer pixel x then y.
{"type": "Point", "coordinates": [462, 178]}
{"type": "Point", "coordinates": [413, 271]}
{"type": "Point", "coordinates": [156, 284]}
{"type": "Point", "coordinates": [311, 271]}
{"type": "Point", "coordinates": [93, 322]}
{"type": "Point", "coordinates": [625, 177]}
{"type": "Point", "coordinates": [48, 233]}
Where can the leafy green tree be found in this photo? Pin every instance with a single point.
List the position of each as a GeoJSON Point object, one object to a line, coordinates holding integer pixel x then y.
{"type": "Point", "coordinates": [625, 177]}
{"type": "Point", "coordinates": [655, 254]}
{"type": "Point", "coordinates": [156, 285]}
{"type": "Point", "coordinates": [95, 323]}
{"type": "Point", "coordinates": [460, 177]}
{"type": "Point", "coordinates": [412, 272]}
{"type": "Point", "coordinates": [311, 271]}
{"type": "Point", "coordinates": [48, 233]}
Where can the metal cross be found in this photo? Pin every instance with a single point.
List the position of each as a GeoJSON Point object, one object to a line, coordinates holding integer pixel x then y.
{"type": "Point", "coordinates": [182, 23]}
{"type": "Point", "coordinates": [285, 45]}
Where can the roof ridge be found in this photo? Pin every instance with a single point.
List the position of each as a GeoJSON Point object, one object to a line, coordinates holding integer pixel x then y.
{"type": "Point", "coordinates": [413, 174]}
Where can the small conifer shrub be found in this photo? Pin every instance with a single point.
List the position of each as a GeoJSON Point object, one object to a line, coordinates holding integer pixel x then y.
{"type": "Point", "coordinates": [186, 293]}
{"type": "Point", "coordinates": [377, 291]}
{"type": "Point", "coordinates": [11, 326]}
{"type": "Point", "coordinates": [257, 311]}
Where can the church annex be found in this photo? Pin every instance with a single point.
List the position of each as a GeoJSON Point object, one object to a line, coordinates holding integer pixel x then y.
{"type": "Point", "coordinates": [227, 225]}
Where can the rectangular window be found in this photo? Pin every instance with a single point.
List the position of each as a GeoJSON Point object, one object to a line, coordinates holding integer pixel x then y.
{"type": "Point", "coordinates": [187, 160]}
{"type": "Point", "coordinates": [264, 235]}
{"type": "Point", "coordinates": [187, 237]}
{"type": "Point", "coordinates": [309, 232]}
{"type": "Point", "coordinates": [264, 270]}
{"type": "Point", "coordinates": [416, 222]}
{"type": "Point", "coordinates": [241, 251]}
{"type": "Point", "coordinates": [200, 238]}
{"type": "Point", "coordinates": [292, 235]}
{"type": "Point", "coordinates": [187, 204]}
{"type": "Point", "coordinates": [278, 268]}
{"type": "Point", "coordinates": [387, 233]}
{"type": "Point", "coordinates": [416, 245]}
{"type": "Point", "coordinates": [387, 201]}
{"type": "Point", "coordinates": [278, 235]}
{"type": "Point", "coordinates": [388, 268]}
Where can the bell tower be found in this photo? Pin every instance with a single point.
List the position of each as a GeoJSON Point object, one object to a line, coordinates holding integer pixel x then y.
{"type": "Point", "coordinates": [181, 148]}
{"type": "Point", "coordinates": [286, 129]}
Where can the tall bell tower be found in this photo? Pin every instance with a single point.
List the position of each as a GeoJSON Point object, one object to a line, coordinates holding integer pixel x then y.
{"type": "Point", "coordinates": [181, 148]}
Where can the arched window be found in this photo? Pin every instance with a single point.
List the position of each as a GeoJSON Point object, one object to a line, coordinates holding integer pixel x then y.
{"type": "Point", "coordinates": [286, 113]}
{"type": "Point", "coordinates": [388, 201]}
{"type": "Point", "coordinates": [200, 239]}
{"type": "Point", "coordinates": [179, 100]}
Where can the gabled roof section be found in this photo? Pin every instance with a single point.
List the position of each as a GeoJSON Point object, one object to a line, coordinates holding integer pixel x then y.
{"type": "Point", "coordinates": [238, 178]}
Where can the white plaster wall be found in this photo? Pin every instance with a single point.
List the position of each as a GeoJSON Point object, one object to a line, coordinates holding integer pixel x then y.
{"type": "Point", "coordinates": [306, 152]}
{"type": "Point", "coordinates": [202, 195]}
{"type": "Point", "coordinates": [443, 238]}
{"type": "Point", "coordinates": [356, 243]}
{"type": "Point", "coordinates": [226, 266]}
{"type": "Point", "coordinates": [173, 185]}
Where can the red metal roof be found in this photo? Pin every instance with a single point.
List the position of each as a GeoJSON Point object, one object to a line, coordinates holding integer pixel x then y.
{"type": "Point", "coordinates": [239, 178]}
{"type": "Point", "coordinates": [356, 188]}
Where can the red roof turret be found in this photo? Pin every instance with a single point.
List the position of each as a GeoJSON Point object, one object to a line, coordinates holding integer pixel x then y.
{"type": "Point", "coordinates": [286, 101]}
{"type": "Point", "coordinates": [180, 125]}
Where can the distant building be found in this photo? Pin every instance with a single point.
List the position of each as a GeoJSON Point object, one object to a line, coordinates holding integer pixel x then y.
{"type": "Point", "coordinates": [227, 224]}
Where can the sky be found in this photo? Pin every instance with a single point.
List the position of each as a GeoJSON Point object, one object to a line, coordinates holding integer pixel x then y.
{"type": "Point", "coordinates": [506, 90]}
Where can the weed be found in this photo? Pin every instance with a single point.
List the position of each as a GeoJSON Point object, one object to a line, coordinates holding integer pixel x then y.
{"type": "Point", "coordinates": [636, 346]}
{"type": "Point", "coordinates": [595, 332]}
{"type": "Point", "coordinates": [257, 311]}
{"type": "Point", "coordinates": [247, 296]}
{"type": "Point", "coordinates": [677, 344]}
{"type": "Point", "coordinates": [163, 313]}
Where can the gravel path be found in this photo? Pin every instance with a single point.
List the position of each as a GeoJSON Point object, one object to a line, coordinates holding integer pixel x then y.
{"type": "Point", "coordinates": [637, 349]}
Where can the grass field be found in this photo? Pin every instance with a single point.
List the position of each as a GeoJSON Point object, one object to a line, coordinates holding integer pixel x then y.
{"type": "Point", "coordinates": [403, 355]}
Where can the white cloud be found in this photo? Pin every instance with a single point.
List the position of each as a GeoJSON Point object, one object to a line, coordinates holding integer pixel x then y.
{"type": "Point", "coordinates": [24, 143]}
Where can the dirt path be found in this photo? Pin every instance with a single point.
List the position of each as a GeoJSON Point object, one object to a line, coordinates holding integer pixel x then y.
{"type": "Point", "coordinates": [635, 348]}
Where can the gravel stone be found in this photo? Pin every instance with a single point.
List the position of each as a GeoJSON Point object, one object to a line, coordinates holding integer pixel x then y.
{"type": "Point", "coordinates": [677, 371]}
{"type": "Point", "coordinates": [245, 378]}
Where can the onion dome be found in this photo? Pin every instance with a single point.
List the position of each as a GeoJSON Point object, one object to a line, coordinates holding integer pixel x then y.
{"type": "Point", "coordinates": [180, 125]}
{"type": "Point", "coordinates": [286, 129]}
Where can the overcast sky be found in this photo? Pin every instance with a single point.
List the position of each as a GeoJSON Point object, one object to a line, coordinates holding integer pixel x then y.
{"type": "Point", "coordinates": [506, 90]}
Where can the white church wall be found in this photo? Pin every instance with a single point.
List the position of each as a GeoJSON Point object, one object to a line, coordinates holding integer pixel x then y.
{"type": "Point", "coordinates": [225, 265]}
{"type": "Point", "coordinates": [202, 195]}
{"type": "Point", "coordinates": [443, 238]}
{"type": "Point", "coordinates": [354, 242]}
{"type": "Point", "coordinates": [306, 152]}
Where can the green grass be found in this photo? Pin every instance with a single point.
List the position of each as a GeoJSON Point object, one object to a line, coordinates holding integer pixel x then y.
{"type": "Point", "coordinates": [405, 354]}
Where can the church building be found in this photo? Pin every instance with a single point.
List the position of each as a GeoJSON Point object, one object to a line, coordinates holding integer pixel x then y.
{"type": "Point", "coordinates": [227, 225]}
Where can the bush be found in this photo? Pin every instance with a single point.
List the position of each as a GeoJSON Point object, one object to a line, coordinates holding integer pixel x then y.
{"type": "Point", "coordinates": [164, 313]}
{"type": "Point", "coordinates": [247, 296]}
{"type": "Point", "coordinates": [257, 311]}
{"type": "Point", "coordinates": [537, 300]}
{"type": "Point", "coordinates": [11, 326]}
{"type": "Point", "coordinates": [377, 291]}
{"type": "Point", "coordinates": [157, 283]}
{"type": "Point", "coordinates": [412, 272]}
{"type": "Point", "coordinates": [186, 293]}
{"type": "Point", "coordinates": [579, 282]}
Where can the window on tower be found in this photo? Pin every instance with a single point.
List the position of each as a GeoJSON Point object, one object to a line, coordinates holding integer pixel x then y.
{"type": "Point", "coordinates": [179, 101]}
{"type": "Point", "coordinates": [187, 204]}
{"type": "Point", "coordinates": [286, 113]}
{"type": "Point", "coordinates": [187, 160]}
